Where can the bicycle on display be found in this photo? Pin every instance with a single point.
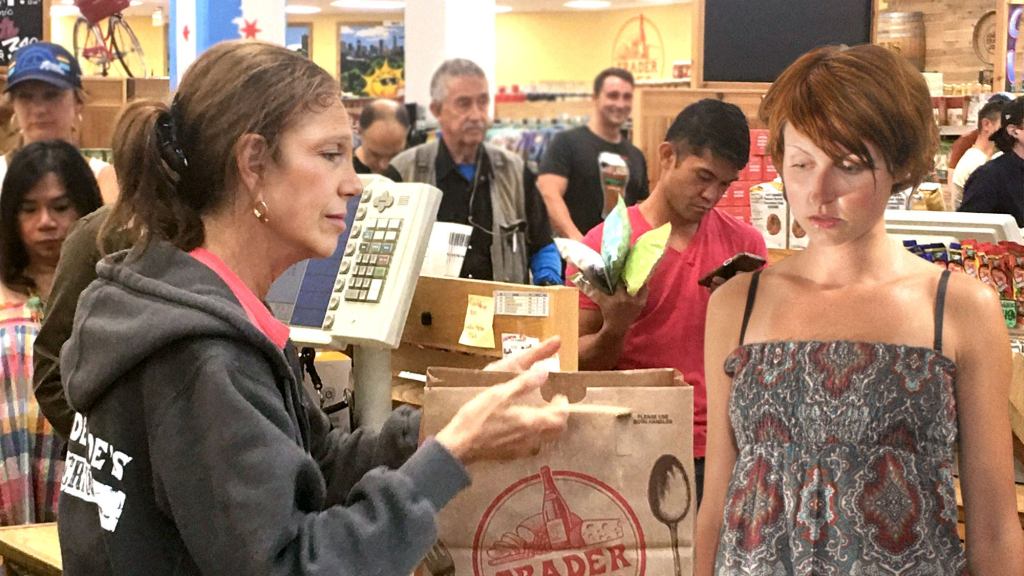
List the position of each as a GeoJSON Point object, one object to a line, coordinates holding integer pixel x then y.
{"type": "Point", "coordinates": [96, 48]}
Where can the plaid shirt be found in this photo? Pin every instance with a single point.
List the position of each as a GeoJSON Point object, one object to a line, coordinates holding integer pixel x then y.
{"type": "Point", "coordinates": [31, 454]}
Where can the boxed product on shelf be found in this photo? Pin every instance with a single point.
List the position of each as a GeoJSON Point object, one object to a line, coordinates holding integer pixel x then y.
{"type": "Point", "coordinates": [754, 170]}
{"type": "Point", "coordinates": [741, 213]}
{"type": "Point", "coordinates": [769, 213]}
{"type": "Point", "coordinates": [770, 173]}
{"type": "Point", "coordinates": [758, 141]}
{"type": "Point", "coordinates": [955, 110]}
{"type": "Point", "coordinates": [738, 193]}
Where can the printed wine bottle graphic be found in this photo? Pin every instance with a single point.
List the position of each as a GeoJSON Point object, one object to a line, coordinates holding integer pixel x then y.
{"type": "Point", "coordinates": [530, 529]}
{"type": "Point", "coordinates": [561, 524]}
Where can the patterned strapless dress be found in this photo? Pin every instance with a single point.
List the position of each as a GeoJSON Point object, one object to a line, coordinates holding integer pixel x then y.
{"type": "Point", "coordinates": [845, 461]}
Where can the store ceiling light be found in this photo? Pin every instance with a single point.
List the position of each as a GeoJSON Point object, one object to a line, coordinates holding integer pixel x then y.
{"type": "Point", "coordinates": [379, 5]}
{"type": "Point", "coordinates": [587, 4]}
{"type": "Point", "coordinates": [301, 9]}
{"type": "Point", "coordinates": [135, 3]}
{"type": "Point", "coordinates": [500, 9]}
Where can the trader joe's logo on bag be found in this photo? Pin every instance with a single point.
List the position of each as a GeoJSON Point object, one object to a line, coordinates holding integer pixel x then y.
{"type": "Point", "coordinates": [559, 523]}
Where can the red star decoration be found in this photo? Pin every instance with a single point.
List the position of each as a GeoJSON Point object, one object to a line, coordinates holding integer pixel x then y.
{"type": "Point", "coordinates": [185, 32]}
{"type": "Point", "coordinates": [250, 30]}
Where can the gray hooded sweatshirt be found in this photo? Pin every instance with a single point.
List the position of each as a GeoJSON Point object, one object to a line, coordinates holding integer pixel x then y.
{"type": "Point", "coordinates": [195, 450]}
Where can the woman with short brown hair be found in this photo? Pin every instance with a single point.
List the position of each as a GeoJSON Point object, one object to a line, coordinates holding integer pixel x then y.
{"type": "Point", "coordinates": [850, 369]}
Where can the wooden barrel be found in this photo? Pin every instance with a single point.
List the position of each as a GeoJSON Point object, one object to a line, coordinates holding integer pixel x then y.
{"type": "Point", "coordinates": [903, 33]}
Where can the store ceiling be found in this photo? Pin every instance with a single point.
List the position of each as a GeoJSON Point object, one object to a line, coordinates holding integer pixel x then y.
{"type": "Point", "coordinates": [146, 7]}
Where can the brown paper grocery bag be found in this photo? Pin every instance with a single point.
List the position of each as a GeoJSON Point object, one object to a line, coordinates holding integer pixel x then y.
{"type": "Point", "coordinates": [614, 496]}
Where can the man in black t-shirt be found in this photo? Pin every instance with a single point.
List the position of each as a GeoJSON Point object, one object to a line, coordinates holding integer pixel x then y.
{"type": "Point", "coordinates": [570, 178]}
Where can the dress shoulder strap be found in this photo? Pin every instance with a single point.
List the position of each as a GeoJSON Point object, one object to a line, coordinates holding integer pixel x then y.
{"type": "Point", "coordinates": [751, 296]}
{"type": "Point", "coordinates": [940, 306]}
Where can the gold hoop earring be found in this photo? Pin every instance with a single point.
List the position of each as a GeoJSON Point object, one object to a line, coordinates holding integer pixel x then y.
{"type": "Point", "coordinates": [260, 210]}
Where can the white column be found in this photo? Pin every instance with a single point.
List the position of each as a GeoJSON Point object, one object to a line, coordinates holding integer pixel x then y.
{"type": "Point", "coordinates": [436, 30]}
{"type": "Point", "coordinates": [198, 24]}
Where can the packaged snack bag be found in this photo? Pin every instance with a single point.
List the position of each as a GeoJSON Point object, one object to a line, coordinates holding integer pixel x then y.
{"type": "Point", "coordinates": [607, 273]}
{"type": "Point", "coordinates": [970, 257]}
{"type": "Point", "coordinates": [649, 248]}
{"type": "Point", "coordinates": [615, 241]}
{"type": "Point", "coordinates": [956, 258]}
{"type": "Point", "coordinates": [937, 253]}
{"type": "Point", "coordinates": [591, 267]}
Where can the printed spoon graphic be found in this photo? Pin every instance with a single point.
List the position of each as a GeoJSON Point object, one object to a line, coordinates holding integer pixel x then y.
{"type": "Point", "coordinates": [668, 493]}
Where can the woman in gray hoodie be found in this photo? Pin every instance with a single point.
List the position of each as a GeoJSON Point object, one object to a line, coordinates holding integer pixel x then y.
{"type": "Point", "coordinates": [193, 449]}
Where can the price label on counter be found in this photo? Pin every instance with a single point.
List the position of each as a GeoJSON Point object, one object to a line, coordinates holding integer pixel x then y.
{"type": "Point", "coordinates": [21, 23]}
{"type": "Point", "coordinates": [522, 304]}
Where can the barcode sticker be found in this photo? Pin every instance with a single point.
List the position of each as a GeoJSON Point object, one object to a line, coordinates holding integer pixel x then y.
{"type": "Point", "coordinates": [522, 304]}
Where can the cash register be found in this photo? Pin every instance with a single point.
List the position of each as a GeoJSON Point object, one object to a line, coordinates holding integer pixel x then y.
{"type": "Point", "coordinates": [361, 294]}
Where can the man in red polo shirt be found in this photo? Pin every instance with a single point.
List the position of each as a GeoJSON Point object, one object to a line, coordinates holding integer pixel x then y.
{"type": "Point", "coordinates": [663, 326]}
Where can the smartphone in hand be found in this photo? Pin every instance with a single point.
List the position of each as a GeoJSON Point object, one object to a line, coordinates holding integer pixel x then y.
{"type": "Point", "coordinates": [742, 262]}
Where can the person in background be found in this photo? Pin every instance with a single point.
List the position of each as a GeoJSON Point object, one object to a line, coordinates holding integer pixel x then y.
{"type": "Point", "coordinates": [570, 178]}
{"type": "Point", "coordinates": [959, 147]}
{"type": "Point", "coordinates": [194, 448]}
{"type": "Point", "coordinates": [484, 186]}
{"type": "Point", "coordinates": [75, 271]}
{"type": "Point", "coordinates": [44, 86]}
{"type": "Point", "coordinates": [840, 378]}
{"type": "Point", "coordinates": [662, 326]}
{"type": "Point", "coordinates": [996, 186]}
{"type": "Point", "coordinates": [383, 128]}
{"type": "Point", "coordinates": [48, 188]}
{"type": "Point", "coordinates": [983, 149]}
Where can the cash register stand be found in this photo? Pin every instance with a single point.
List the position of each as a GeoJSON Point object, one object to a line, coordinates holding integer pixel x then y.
{"type": "Point", "coordinates": [371, 371]}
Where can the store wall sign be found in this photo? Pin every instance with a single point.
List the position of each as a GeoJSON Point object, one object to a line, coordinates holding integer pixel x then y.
{"type": "Point", "coordinates": [638, 47]}
{"type": "Point", "coordinates": [373, 60]}
{"type": "Point", "coordinates": [21, 23]}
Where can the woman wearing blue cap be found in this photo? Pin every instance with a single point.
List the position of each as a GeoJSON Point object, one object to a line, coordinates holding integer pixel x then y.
{"type": "Point", "coordinates": [44, 85]}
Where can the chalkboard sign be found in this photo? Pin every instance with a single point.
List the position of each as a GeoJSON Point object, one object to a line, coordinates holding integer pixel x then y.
{"type": "Point", "coordinates": [21, 23]}
{"type": "Point", "coordinates": [755, 40]}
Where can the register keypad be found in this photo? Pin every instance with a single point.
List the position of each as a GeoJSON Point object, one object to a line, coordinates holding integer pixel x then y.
{"type": "Point", "coordinates": [371, 260]}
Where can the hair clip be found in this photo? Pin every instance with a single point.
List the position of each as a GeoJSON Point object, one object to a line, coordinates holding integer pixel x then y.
{"type": "Point", "coordinates": [170, 148]}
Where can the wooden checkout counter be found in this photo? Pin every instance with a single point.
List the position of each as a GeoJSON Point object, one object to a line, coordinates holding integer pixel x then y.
{"type": "Point", "coordinates": [436, 319]}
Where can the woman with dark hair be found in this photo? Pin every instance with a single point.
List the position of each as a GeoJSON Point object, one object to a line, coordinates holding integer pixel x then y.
{"type": "Point", "coordinates": [194, 449]}
{"type": "Point", "coordinates": [49, 187]}
{"type": "Point", "coordinates": [845, 375]}
{"type": "Point", "coordinates": [997, 187]}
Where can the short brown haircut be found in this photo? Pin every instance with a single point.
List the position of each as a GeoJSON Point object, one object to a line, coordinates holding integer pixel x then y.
{"type": "Point", "coordinates": [620, 73]}
{"type": "Point", "coordinates": [843, 97]}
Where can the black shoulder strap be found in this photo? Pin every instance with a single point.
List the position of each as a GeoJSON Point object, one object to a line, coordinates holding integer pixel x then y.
{"type": "Point", "coordinates": [940, 305]}
{"type": "Point", "coordinates": [751, 296]}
